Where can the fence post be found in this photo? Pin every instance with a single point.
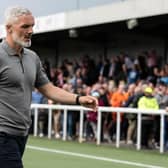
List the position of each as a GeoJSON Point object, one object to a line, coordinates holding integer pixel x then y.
{"type": "Point", "coordinates": [162, 134]}
{"type": "Point", "coordinates": [81, 125]}
{"type": "Point", "coordinates": [49, 123]}
{"type": "Point", "coordinates": [118, 130]}
{"type": "Point", "coordinates": [65, 125]}
{"type": "Point", "coordinates": [35, 121]}
{"type": "Point", "coordinates": [99, 127]}
{"type": "Point", "coordinates": [139, 124]}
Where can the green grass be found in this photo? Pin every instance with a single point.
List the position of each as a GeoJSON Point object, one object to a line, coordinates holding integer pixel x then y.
{"type": "Point", "coordinates": [42, 159]}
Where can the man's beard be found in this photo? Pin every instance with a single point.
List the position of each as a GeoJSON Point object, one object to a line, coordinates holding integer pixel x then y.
{"type": "Point", "coordinates": [20, 42]}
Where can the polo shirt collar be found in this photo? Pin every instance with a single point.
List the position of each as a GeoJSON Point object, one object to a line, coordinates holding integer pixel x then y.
{"type": "Point", "coordinates": [10, 50]}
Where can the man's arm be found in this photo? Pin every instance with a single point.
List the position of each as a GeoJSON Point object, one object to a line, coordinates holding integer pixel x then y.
{"type": "Point", "coordinates": [59, 95]}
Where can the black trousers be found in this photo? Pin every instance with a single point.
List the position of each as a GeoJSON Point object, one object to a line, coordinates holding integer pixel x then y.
{"type": "Point", "coordinates": [146, 132]}
{"type": "Point", "coordinates": [11, 150]}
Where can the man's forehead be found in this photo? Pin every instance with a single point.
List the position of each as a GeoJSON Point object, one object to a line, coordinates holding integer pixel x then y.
{"type": "Point", "coordinates": [25, 19]}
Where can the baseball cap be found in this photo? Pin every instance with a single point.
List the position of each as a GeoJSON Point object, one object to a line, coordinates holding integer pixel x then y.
{"type": "Point", "coordinates": [148, 90]}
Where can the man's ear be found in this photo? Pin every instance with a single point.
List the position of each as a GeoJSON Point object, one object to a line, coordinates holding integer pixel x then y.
{"type": "Point", "coordinates": [8, 28]}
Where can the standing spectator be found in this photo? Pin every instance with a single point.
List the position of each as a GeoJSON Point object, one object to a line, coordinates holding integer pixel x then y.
{"type": "Point", "coordinates": [133, 74]}
{"type": "Point", "coordinates": [47, 69]}
{"type": "Point", "coordinates": [56, 121]}
{"type": "Point", "coordinates": [38, 98]}
{"type": "Point", "coordinates": [105, 68]}
{"type": "Point", "coordinates": [91, 121]}
{"type": "Point", "coordinates": [162, 98]}
{"type": "Point", "coordinates": [118, 99]}
{"type": "Point", "coordinates": [166, 131]}
{"type": "Point", "coordinates": [106, 117]}
{"type": "Point", "coordinates": [141, 60]}
{"type": "Point", "coordinates": [132, 118]}
{"type": "Point", "coordinates": [111, 68]}
{"type": "Point", "coordinates": [148, 101]}
{"type": "Point", "coordinates": [152, 60]}
{"type": "Point", "coordinates": [70, 120]}
{"type": "Point", "coordinates": [118, 72]}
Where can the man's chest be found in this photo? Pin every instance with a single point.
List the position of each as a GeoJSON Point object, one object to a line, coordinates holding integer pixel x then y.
{"type": "Point", "coordinates": [16, 71]}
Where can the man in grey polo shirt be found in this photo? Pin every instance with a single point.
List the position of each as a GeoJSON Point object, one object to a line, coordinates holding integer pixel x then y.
{"type": "Point", "coordinates": [20, 72]}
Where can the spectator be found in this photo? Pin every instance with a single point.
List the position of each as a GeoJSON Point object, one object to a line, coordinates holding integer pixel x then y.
{"type": "Point", "coordinates": [47, 69]}
{"type": "Point", "coordinates": [148, 101]}
{"type": "Point", "coordinates": [118, 99]}
{"type": "Point", "coordinates": [162, 98]}
{"type": "Point", "coordinates": [166, 131]}
{"type": "Point", "coordinates": [56, 121]}
{"type": "Point", "coordinates": [38, 98]}
{"type": "Point", "coordinates": [91, 121]}
{"type": "Point", "coordinates": [133, 74]}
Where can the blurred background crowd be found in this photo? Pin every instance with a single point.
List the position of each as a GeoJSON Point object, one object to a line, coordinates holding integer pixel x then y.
{"type": "Point", "coordinates": [120, 81]}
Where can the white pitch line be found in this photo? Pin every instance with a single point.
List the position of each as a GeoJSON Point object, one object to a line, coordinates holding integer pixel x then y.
{"type": "Point", "coordinates": [92, 157]}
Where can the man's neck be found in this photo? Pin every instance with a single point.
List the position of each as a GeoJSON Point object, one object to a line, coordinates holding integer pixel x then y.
{"type": "Point", "coordinates": [14, 46]}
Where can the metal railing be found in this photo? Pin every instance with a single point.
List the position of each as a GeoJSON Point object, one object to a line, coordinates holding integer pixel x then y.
{"type": "Point", "coordinates": [81, 109]}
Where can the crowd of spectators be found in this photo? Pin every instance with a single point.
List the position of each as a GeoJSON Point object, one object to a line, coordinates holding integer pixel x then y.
{"type": "Point", "coordinates": [118, 81]}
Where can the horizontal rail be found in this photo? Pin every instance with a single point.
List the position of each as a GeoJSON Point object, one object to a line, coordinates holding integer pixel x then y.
{"type": "Point", "coordinates": [118, 110]}
{"type": "Point", "coordinates": [102, 109]}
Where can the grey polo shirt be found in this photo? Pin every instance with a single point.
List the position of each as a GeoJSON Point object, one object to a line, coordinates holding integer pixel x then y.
{"type": "Point", "coordinates": [18, 77]}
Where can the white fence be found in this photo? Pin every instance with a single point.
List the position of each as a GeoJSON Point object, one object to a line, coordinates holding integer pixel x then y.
{"type": "Point", "coordinates": [65, 108]}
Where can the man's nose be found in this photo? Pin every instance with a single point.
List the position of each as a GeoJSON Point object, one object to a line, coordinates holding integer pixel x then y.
{"type": "Point", "coordinates": [30, 31]}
